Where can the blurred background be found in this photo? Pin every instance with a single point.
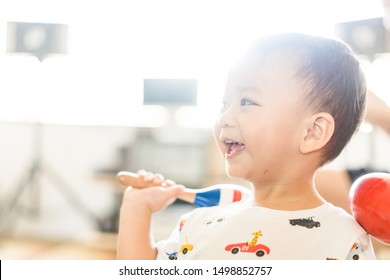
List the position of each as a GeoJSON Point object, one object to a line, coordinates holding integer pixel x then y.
{"type": "Point", "coordinates": [89, 88]}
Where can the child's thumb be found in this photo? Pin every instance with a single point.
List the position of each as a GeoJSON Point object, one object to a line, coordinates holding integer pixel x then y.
{"type": "Point", "coordinates": [175, 190]}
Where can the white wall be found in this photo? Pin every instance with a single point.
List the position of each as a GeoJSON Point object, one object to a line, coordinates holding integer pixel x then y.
{"type": "Point", "coordinates": [366, 149]}
{"type": "Point", "coordinates": [76, 154]}
{"type": "Point", "coordinates": [113, 45]}
{"type": "Point", "coordinates": [73, 153]}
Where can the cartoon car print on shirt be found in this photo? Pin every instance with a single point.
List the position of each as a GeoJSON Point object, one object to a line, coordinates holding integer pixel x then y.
{"type": "Point", "coordinates": [356, 250]}
{"type": "Point", "coordinates": [181, 224]}
{"type": "Point", "coordinates": [172, 256]}
{"type": "Point", "coordinates": [218, 220]}
{"type": "Point", "coordinates": [185, 248]}
{"type": "Point", "coordinates": [249, 247]}
{"type": "Point", "coordinates": [305, 222]}
{"type": "Point", "coordinates": [260, 249]}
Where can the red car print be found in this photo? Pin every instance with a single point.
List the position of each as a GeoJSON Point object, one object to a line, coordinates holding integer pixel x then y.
{"type": "Point", "coordinates": [259, 249]}
{"type": "Point", "coordinates": [249, 247]}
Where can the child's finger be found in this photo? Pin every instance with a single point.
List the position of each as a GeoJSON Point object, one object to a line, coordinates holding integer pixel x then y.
{"type": "Point", "coordinates": [134, 180]}
{"type": "Point", "coordinates": [141, 172]}
{"type": "Point", "coordinates": [175, 190]}
{"type": "Point", "coordinates": [143, 179]}
{"type": "Point", "coordinates": [168, 182]}
{"type": "Point", "coordinates": [158, 179]}
{"type": "Point", "coordinates": [148, 177]}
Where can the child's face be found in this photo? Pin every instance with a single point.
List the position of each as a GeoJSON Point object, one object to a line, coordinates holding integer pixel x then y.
{"type": "Point", "coordinates": [260, 125]}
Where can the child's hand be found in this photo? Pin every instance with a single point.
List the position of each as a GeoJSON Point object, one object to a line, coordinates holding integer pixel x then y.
{"type": "Point", "coordinates": [153, 199]}
{"type": "Point", "coordinates": [139, 202]}
{"type": "Point", "coordinates": [146, 189]}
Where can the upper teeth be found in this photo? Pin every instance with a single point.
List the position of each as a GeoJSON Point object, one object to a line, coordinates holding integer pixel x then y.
{"type": "Point", "coordinates": [230, 141]}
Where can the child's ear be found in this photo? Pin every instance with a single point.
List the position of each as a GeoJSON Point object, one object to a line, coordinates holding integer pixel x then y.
{"type": "Point", "coordinates": [317, 133]}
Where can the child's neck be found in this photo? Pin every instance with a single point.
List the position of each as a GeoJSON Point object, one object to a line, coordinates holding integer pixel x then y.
{"type": "Point", "coordinates": [287, 197]}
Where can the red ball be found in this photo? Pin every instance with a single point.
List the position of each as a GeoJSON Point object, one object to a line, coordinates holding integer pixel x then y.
{"type": "Point", "coordinates": [369, 199]}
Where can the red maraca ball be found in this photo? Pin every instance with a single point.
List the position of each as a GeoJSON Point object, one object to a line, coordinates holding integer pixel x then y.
{"type": "Point", "coordinates": [369, 199]}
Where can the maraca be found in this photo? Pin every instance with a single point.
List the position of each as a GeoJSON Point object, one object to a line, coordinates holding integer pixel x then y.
{"type": "Point", "coordinates": [369, 199]}
{"type": "Point", "coordinates": [220, 194]}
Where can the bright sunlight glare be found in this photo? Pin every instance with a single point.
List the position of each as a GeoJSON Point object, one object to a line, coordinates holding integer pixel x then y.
{"type": "Point", "coordinates": [114, 45]}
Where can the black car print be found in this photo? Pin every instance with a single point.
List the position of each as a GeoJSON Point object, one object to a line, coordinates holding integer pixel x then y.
{"type": "Point", "coordinates": [305, 222]}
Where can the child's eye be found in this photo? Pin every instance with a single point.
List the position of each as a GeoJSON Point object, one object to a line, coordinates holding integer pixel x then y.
{"type": "Point", "coordinates": [247, 102]}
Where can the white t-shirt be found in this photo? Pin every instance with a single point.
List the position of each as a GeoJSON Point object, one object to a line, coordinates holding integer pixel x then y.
{"type": "Point", "coordinates": [244, 231]}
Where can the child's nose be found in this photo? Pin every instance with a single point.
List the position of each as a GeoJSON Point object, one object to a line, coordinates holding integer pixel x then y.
{"type": "Point", "coordinates": [227, 118]}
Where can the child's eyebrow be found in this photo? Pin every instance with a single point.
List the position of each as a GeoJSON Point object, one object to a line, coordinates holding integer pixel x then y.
{"type": "Point", "coordinates": [243, 89]}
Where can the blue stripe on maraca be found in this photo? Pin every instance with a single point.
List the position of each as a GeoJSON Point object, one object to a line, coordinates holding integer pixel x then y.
{"type": "Point", "coordinates": [208, 198]}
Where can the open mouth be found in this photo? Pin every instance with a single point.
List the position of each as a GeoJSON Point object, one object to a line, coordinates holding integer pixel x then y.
{"type": "Point", "coordinates": [234, 148]}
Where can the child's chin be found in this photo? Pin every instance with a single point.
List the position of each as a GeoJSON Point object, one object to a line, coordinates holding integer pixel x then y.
{"type": "Point", "coordinates": [234, 173]}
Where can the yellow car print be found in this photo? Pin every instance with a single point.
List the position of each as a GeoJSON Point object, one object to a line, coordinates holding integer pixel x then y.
{"type": "Point", "coordinates": [186, 247]}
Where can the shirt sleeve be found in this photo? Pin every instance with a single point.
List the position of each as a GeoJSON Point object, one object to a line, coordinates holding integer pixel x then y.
{"type": "Point", "coordinates": [362, 249]}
